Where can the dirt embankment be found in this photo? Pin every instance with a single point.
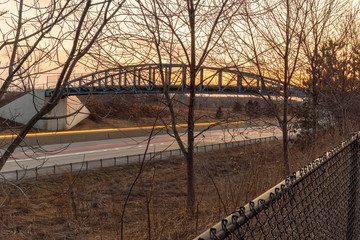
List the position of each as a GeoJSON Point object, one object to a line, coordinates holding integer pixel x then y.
{"type": "Point", "coordinates": [136, 110]}
{"type": "Point", "coordinates": [142, 110]}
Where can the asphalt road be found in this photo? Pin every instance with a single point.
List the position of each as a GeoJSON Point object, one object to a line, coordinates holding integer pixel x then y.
{"type": "Point", "coordinates": [58, 154]}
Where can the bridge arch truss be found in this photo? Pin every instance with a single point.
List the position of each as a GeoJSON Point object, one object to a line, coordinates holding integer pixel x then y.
{"type": "Point", "coordinates": [147, 78]}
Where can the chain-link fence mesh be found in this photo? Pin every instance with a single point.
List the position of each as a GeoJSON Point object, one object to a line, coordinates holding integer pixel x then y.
{"type": "Point", "coordinates": [317, 202]}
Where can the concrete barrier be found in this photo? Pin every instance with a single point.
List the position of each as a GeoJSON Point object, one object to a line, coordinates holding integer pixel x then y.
{"type": "Point", "coordinates": [22, 109]}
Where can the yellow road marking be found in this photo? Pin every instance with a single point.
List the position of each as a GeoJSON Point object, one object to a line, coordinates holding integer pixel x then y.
{"type": "Point", "coordinates": [113, 129]}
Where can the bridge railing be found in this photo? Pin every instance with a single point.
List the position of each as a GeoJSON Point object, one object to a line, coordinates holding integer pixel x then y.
{"type": "Point", "coordinates": [320, 201]}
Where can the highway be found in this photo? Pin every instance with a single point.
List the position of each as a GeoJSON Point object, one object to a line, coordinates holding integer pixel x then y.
{"type": "Point", "coordinates": [58, 154]}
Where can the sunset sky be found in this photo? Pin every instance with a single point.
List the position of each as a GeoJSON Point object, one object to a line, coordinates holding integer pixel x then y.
{"type": "Point", "coordinates": [129, 38]}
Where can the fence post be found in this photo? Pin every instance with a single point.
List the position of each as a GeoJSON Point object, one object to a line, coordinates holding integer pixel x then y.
{"type": "Point", "coordinates": [353, 185]}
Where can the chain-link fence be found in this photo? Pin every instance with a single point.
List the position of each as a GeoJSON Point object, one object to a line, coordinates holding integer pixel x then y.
{"type": "Point", "coordinates": [54, 170]}
{"type": "Point", "coordinates": [318, 202]}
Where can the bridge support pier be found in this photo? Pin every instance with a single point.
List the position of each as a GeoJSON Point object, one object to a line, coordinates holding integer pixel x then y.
{"type": "Point", "coordinates": [69, 111]}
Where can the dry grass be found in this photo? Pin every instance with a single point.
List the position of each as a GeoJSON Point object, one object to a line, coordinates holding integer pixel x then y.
{"type": "Point", "coordinates": [88, 206]}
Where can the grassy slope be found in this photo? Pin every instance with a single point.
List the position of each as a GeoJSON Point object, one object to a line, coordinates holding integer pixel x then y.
{"type": "Point", "coordinates": [88, 206]}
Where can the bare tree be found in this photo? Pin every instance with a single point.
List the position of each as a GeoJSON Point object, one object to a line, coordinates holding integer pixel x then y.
{"type": "Point", "coordinates": [63, 32]}
{"type": "Point", "coordinates": [325, 22]}
{"type": "Point", "coordinates": [176, 32]}
{"type": "Point", "coordinates": [337, 86]}
{"type": "Point", "coordinates": [24, 39]}
{"type": "Point", "coordinates": [266, 39]}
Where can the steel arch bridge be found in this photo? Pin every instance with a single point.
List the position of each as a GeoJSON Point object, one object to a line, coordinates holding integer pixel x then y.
{"type": "Point", "coordinates": [146, 78]}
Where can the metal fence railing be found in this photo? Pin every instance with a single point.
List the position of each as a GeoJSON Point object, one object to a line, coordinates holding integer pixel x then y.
{"type": "Point", "coordinates": [320, 201]}
{"type": "Point", "coordinates": [53, 170]}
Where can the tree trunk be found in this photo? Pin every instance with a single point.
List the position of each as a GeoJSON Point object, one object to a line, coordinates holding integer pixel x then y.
{"type": "Point", "coordinates": [190, 152]}
{"type": "Point", "coordinates": [190, 155]}
{"type": "Point", "coordinates": [285, 149]}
